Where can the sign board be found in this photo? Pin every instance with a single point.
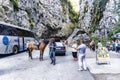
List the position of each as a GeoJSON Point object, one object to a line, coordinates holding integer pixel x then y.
{"type": "Point", "coordinates": [102, 55]}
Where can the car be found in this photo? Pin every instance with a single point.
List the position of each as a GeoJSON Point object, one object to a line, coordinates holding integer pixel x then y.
{"type": "Point", "coordinates": [60, 48]}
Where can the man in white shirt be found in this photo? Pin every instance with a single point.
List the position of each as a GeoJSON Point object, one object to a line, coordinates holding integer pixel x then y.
{"type": "Point", "coordinates": [81, 57]}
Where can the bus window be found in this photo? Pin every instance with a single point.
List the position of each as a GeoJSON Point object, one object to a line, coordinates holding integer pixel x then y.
{"type": "Point", "coordinates": [3, 30]}
{"type": "Point", "coordinates": [10, 31]}
{"type": "Point", "coordinates": [19, 32]}
{"type": "Point", "coordinates": [14, 32]}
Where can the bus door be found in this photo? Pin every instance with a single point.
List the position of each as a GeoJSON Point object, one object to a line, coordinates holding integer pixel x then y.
{"type": "Point", "coordinates": [21, 43]}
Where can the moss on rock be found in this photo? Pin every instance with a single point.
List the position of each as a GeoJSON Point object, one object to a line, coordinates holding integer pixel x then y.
{"type": "Point", "coordinates": [31, 23]}
{"type": "Point", "coordinates": [15, 5]}
{"type": "Point", "coordinates": [68, 9]}
{"type": "Point", "coordinates": [29, 11]}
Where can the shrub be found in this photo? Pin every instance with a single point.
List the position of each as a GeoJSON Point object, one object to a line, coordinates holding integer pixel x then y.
{"type": "Point", "coordinates": [68, 29]}
{"type": "Point", "coordinates": [103, 40]}
{"type": "Point", "coordinates": [31, 23]}
{"type": "Point", "coordinates": [114, 30]}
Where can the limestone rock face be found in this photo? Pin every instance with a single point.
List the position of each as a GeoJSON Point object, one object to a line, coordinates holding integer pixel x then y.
{"type": "Point", "coordinates": [97, 16]}
{"type": "Point", "coordinates": [78, 35]}
{"type": "Point", "coordinates": [86, 7]}
{"type": "Point", "coordinates": [108, 20]}
{"type": "Point", "coordinates": [5, 10]}
{"type": "Point", "coordinates": [42, 16]}
{"type": "Point", "coordinates": [46, 17]}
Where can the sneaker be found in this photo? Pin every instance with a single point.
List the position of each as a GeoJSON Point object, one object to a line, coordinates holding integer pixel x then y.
{"type": "Point", "coordinates": [85, 69]}
{"type": "Point", "coordinates": [54, 63]}
{"type": "Point", "coordinates": [80, 69]}
{"type": "Point", "coordinates": [51, 62]}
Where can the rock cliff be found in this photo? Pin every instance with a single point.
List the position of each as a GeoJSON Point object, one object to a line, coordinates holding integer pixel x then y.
{"type": "Point", "coordinates": [97, 17]}
{"type": "Point", "coordinates": [47, 17]}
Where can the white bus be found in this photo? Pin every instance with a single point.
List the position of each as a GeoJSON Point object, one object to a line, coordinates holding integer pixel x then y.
{"type": "Point", "coordinates": [13, 38]}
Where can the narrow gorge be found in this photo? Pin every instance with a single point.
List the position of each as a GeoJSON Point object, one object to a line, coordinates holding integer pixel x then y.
{"type": "Point", "coordinates": [96, 18]}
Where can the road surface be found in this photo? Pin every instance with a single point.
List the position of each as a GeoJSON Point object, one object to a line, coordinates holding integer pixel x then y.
{"type": "Point", "coordinates": [20, 67]}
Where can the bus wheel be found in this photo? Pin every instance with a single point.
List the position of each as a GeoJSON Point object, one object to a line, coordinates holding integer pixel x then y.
{"type": "Point", "coordinates": [15, 50]}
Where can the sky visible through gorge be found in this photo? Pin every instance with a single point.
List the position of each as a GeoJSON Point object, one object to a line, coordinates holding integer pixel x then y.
{"type": "Point", "coordinates": [75, 4]}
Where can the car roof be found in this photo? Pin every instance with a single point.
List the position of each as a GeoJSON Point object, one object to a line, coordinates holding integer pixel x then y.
{"type": "Point", "coordinates": [59, 44]}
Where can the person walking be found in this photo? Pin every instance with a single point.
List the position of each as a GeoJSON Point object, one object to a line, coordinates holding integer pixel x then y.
{"type": "Point", "coordinates": [118, 47]}
{"type": "Point", "coordinates": [81, 58]}
{"type": "Point", "coordinates": [52, 51]}
{"type": "Point", "coordinates": [74, 50]}
{"type": "Point", "coordinates": [113, 45]}
{"type": "Point", "coordinates": [66, 43]}
{"type": "Point", "coordinates": [99, 44]}
{"type": "Point", "coordinates": [92, 45]}
{"type": "Point", "coordinates": [108, 45]}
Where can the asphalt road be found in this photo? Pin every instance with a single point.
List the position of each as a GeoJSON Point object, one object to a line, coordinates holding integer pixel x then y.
{"type": "Point", "coordinates": [20, 67]}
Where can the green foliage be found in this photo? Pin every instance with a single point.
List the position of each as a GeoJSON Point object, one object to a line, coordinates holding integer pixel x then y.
{"type": "Point", "coordinates": [64, 10]}
{"type": "Point", "coordinates": [103, 40]}
{"type": "Point", "coordinates": [114, 30]}
{"type": "Point", "coordinates": [28, 11]}
{"type": "Point", "coordinates": [64, 2]}
{"type": "Point", "coordinates": [68, 29]}
{"type": "Point", "coordinates": [72, 14]}
{"type": "Point", "coordinates": [31, 23]}
{"type": "Point", "coordinates": [68, 9]}
{"type": "Point", "coordinates": [15, 4]}
{"type": "Point", "coordinates": [97, 13]}
{"type": "Point", "coordinates": [96, 39]}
